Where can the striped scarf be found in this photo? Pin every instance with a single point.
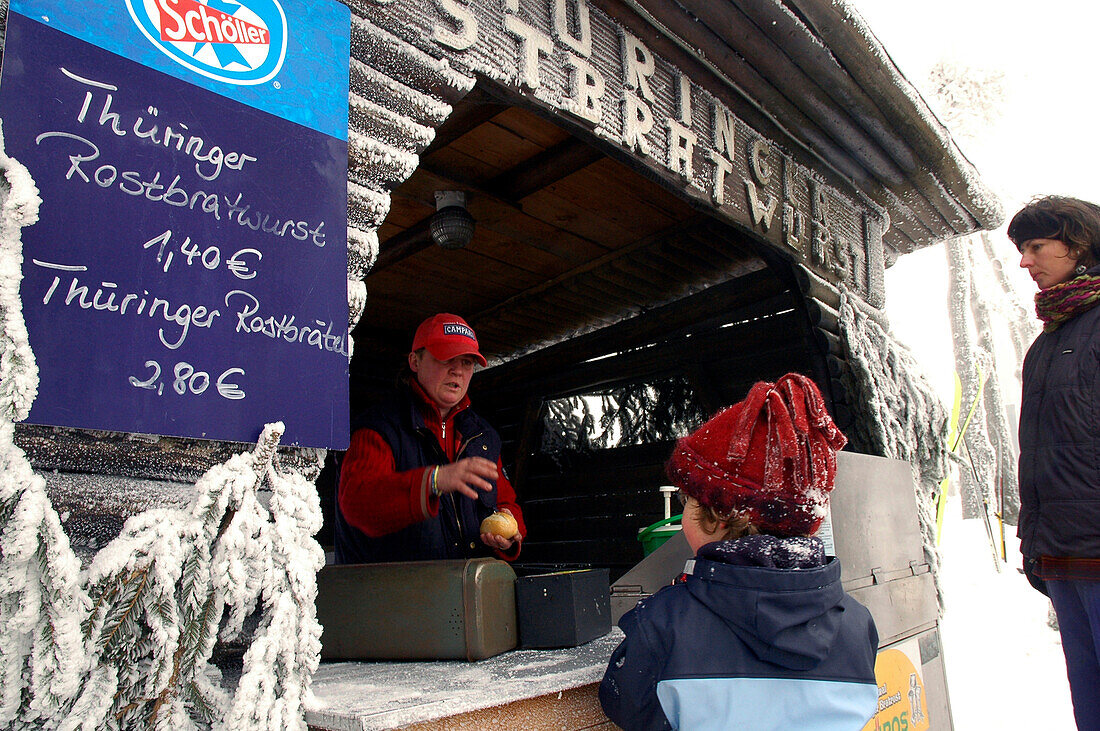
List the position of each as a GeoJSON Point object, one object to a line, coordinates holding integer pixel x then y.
{"type": "Point", "coordinates": [1062, 302]}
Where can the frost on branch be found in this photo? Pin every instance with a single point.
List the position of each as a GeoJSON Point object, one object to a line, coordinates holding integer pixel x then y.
{"type": "Point", "coordinates": [967, 99]}
{"type": "Point", "coordinates": [165, 586]}
{"type": "Point", "coordinates": [133, 628]}
{"type": "Point", "coordinates": [279, 665]}
{"type": "Point", "coordinates": [902, 417]}
{"type": "Point", "coordinates": [994, 309]}
{"type": "Point", "coordinates": [973, 365]}
{"type": "Point", "coordinates": [41, 602]}
{"type": "Point", "coordinates": [983, 306]}
{"type": "Point", "coordinates": [982, 303]}
{"type": "Point", "coordinates": [18, 371]}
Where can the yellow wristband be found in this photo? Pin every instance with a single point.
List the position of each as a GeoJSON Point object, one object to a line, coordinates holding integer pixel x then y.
{"type": "Point", "coordinates": [435, 482]}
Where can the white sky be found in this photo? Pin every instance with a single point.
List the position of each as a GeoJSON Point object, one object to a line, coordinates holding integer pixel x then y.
{"type": "Point", "coordinates": [1045, 140]}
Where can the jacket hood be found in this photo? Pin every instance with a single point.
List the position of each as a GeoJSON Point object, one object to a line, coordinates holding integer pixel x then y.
{"type": "Point", "coordinates": [781, 596]}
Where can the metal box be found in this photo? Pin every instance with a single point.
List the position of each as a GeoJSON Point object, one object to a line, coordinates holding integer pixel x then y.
{"type": "Point", "coordinates": [564, 608]}
{"type": "Point", "coordinates": [417, 610]}
{"type": "Point", "coordinates": [654, 572]}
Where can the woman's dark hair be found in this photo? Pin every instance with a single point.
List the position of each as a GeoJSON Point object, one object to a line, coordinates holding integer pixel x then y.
{"type": "Point", "coordinates": [1074, 222]}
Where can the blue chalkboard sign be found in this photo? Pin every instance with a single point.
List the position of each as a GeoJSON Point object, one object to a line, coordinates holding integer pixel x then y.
{"type": "Point", "coordinates": [187, 275]}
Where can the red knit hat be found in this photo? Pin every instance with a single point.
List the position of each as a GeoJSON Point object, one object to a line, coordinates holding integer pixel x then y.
{"type": "Point", "coordinates": [771, 457]}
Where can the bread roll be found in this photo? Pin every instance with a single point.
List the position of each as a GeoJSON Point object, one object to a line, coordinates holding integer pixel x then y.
{"type": "Point", "coordinates": [501, 524]}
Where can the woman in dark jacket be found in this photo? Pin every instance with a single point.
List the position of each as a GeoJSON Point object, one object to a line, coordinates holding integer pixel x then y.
{"type": "Point", "coordinates": [1059, 243]}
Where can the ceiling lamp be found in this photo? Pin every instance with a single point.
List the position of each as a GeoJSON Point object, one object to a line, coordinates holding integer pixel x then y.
{"type": "Point", "coordinates": [452, 226]}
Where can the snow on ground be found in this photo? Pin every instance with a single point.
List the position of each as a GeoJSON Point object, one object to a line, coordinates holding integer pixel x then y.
{"type": "Point", "coordinates": [1005, 668]}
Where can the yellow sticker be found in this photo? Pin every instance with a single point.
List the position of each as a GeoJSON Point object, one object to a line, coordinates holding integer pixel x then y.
{"type": "Point", "coordinates": [902, 705]}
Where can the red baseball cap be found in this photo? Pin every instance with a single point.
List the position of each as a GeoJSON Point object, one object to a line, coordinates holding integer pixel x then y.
{"type": "Point", "coordinates": [447, 336]}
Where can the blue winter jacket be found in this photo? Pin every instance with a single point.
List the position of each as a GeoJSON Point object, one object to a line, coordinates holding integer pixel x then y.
{"type": "Point", "coordinates": [748, 641]}
{"type": "Point", "coordinates": [1060, 441]}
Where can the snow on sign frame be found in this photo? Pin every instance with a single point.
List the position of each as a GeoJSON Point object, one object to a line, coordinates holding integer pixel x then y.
{"type": "Point", "coordinates": [187, 276]}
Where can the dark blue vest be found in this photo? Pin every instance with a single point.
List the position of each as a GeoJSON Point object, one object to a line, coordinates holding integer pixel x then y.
{"type": "Point", "coordinates": [455, 531]}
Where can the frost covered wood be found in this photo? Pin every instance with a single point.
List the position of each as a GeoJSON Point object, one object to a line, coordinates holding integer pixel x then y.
{"type": "Point", "coordinates": [902, 418]}
{"type": "Point", "coordinates": [128, 643]}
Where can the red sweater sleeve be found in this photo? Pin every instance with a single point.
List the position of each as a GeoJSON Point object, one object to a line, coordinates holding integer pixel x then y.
{"type": "Point", "coordinates": [506, 499]}
{"type": "Point", "coordinates": [377, 499]}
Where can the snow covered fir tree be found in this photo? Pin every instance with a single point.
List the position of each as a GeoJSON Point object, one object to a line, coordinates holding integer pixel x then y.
{"type": "Point", "coordinates": [990, 326]}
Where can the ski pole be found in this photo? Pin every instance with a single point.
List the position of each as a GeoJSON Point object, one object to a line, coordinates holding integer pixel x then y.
{"type": "Point", "coordinates": [1001, 508]}
{"type": "Point", "coordinates": [985, 513]}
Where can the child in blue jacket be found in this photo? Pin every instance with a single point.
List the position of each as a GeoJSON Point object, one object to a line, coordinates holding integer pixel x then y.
{"type": "Point", "coordinates": [759, 634]}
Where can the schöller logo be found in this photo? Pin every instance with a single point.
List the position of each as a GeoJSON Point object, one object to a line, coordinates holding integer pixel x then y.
{"type": "Point", "coordinates": [236, 42]}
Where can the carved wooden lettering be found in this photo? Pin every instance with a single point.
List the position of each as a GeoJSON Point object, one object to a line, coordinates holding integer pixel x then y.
{"type": "Point", "coordinates": [533, 44]}
{"type": "Point", "coordinates": [466, 22]}
{"type": "Point", "coordinates": [639, 65]}
{"type": "Point", "coordinates": [577, 58]}
{"type": "Point", "coordinates": [681, 149]}
{"type": "Point", "coordinates": [722, 168]}
{"type": "Point", "coordinates": [724, 127]}
{"type": "Point", "coordinates": [581, 43]}
{"type": "Point", "coordinates": [683, 99]}
{"type": "Point", "coordinates": [758, 161]}
{"type": "Point", "coordinates": [586, 89]}
{"type": "Point", "coordinates": [637, 123]}
{"type": "Point", "coordinates": [760, 211]}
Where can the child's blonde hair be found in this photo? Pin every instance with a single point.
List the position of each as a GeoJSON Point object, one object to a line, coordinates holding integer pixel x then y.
{"type": "Point", "coordinates": [710, 520]}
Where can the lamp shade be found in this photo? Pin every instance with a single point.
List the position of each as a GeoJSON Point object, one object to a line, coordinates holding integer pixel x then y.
{"type": "Point", "coordinates": [452, 227]}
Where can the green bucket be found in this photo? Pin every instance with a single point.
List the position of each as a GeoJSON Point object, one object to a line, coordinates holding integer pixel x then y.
{"type": "Point", "coordinates": [654, 536]}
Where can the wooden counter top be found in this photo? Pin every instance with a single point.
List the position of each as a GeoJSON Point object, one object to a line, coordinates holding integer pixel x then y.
{"type": "Point", "coordinates": [528, 689]}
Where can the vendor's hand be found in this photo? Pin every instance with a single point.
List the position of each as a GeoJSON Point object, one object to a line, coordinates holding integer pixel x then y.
{"type": "Point", "coordinates": [466, 476]}
{"type": "Point", "coordinates": [504, 545]}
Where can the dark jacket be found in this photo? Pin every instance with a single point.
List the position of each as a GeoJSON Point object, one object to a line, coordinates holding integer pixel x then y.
{"type": "Point", "coordinates": [748, 641]}
{"type": "Point", "coordinates": [1060, 442]}
{"type": "Point", "coordinates": [453, 532]}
